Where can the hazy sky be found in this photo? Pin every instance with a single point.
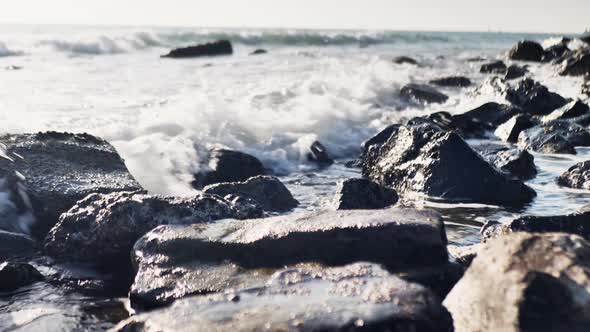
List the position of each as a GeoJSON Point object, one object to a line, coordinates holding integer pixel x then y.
{"type": "Point", "coordinates": [505, 15]}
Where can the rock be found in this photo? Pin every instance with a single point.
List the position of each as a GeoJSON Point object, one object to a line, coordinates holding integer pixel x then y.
{"type": "Point", "coordinates": [15, 245]}
{"type": "Point", "coordinates": [556, 52]}
{"type": "Point", "coordinates": [176, 261]}
{"type": "Point", "coordinates": [380, 138]}
{"type": "Point", "coordinates": [464, 255]}
{"type": "Point", "coordinates": [16, 275]}
{"type": "Point", "coordinates": [554, 137]}
{"type": "Point", "coordinates": [577, 176]}
{"type": "Point", "coordinates": [422, 93]}
{"type": "Point", "coordinates": [509, 131]}
{"type": "Point", "coordinates": [585, 39]}
{"type": "Point", "coordinates": [476, 59]}
{"type": "Point", "coordinates": [319, 154]}
{"type": "Point", "coordinates": [489, 115]}
{"type": "Point", "coordinates": [519, 163]}
{"type": "Point", "coordinates": [476, 123]}
{"type": "Point", "coordinates": [534, 98]}
{"type": "Point", "coordinates": [404, 59]}
{"type": "Point", "coordinates": [55, 170]}
{"type": "Point", "coordinates": [525, 282]}
{"type": "Point", "coordinates": [101, 229]}
{"type": "Point", "coordinates": [578, 64]}
{"type": "Point", "coordinates": [425, 159]}
{"type": "Point", "coordinates": [245, 208]}
{"type": "Point", "coordinates": [358, 297]}
{"type": "Point", "coordinates": [259, 51]}
{"type": "Point", "coordinates": [452, 81]}
{"type": "Point", "coordinates": [527, 51]}
{"type": "Point", "coordinates": [496, 67]}
{"type": "Point", "coordinates": [221, 47]}
{"type": "Point", "coordinates": [586, 87]}
{"type": "Point", "coordinates": [268, 191]}
{"type": "Point", "coordinates": [571, 110]}
{"type": "Point", "coordinates": [228, 166]}
{"type": "Point", "coordinates": [358, 194]}
{"type": "Point", "coordinates": [514, 71]}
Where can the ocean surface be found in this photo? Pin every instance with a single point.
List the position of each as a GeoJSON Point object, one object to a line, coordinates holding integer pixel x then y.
{"type": "Point", "coordinates": [338, 87]}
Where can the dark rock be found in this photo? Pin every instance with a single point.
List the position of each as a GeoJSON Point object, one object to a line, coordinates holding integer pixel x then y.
{"type": "Point", "coordinates": [404, 59]}
{"type": "Point", "coordinates": [477, 122]}
{"type": "Point", "coordinates": [578, 64]}
{"type": "Point", "coordinates": [358, 297]}
{"type": "Point", "coordinates": [586, 87]}
{"type": "Point", "coordinates": [519, 163]}
{"type": "Point", "coordinates": [464, 255]}
{"type": "Point", "coordinates": [422, 93]}
{"type": "Point", "coordinates": [425, 159]}
{"type": "Point", "coordinates": [476, 59]}
{"type": "Point", "coordinates": [176, 261]}
{"type": "Point", "coordinates": [527, 51]}
{"type": "Point", "coordinates": [380, 138]}
{"type": "Point", "coordinates": [496, 67]}
{"type": "Point", "coordinates": [556, 52]}
{"type": "Point", "coordinates": [16, 275]}
{"type": "Point", "coordinates": [222, 47]}
{"type": "Point", "coordinates": [509, 131]}
{"type": "Point", "coordinates": [586, 39]}
{"type": "Point", "coordinates": [15, 245]}
{"type": "Point", "coordinates": [245, 208]}
{"type": "Point", "coordinates": [58, 169]}
{"type": "Point", "coordinates": [319, 154]}
{"type": "Point", "coordinates": [472, 124]}
{"type": "Point", "coordinates": [525, 282]}
{"type": "Point", "coordinates": [228, 166]}
{"type": "Point", "coordinates": [571, 110]}
{"type": "Point", "coordinates": [554, 137]}
{"type": "Point", "coordinates": [534, 98]}
{"type": "Point", "coordinates": [259, 51]}
{"type": "Point", "coordinates": [492, 229]}
{"type": "Point", "coordinates": [514, 72]}
{"type": "Point", "coordinates": [358, 194]}
{"type": "Point", "coordinates": [577, 176]}
{"type": "Point", "coordinates": [101, 229]}
{"type": "Point", "coordinates": [452, 81]}
{"type": "Point", "coordinates": [268, 191]}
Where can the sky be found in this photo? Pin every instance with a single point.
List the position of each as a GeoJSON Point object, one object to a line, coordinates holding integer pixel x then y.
{"type": "Point", "coordinates": [449, 15]}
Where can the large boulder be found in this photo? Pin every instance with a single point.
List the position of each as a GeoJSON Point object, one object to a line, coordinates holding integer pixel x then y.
{"type": "Point", "coordinates": [55, 170]}
{"type": "Point", "coordinates": [269, 192]}
{"type": "Point", "coordinates": [578, 64]}
{"type": "Point", "coordinates": [15, 245]}
{"type": "Point", "coordinates": [228, 166]}
{"type": "Point", "coordinates": [452, 81]}
{"type": "Point", "coordinates": [534, 98]}
{"type": "Point", "coordinates": [496, 67]}
{"type": "Point", "coordinates": [554, 137]}
{"type": "Point", "coordinates": [16, 275]}
{"type": "Point", "coordinates": [101, 229]}
{"type": "Point", "coordinates": [577, 176]}
{"type": "Point", "coordinates": [221, 47]}
{"type": "Point", "coordinates": [422, 93]}
{"type": "Point", "coordinates": [176, 261]}
{"type": "Point", "coordinates": [363, 194]}
{"type": "Point", "coordinates": [426, 159]}
{"type": "Point", "coordinates": [509, 131]}
{"type": "Point", "coordinates": [571, 110]}
{"type": "Point", "coordinates": [525, 282]}
{"type": "Point", "coordinates": [527, 51]}
{"type": "Point", "coordinates": [358, 297]}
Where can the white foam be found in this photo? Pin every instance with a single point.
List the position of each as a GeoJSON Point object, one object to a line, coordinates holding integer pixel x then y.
{"type": "Point", "coordinates": [5, 51]}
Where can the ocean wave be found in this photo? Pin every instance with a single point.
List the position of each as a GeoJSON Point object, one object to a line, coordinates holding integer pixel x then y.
{"type": "Point", "coordinates": [5, 51]}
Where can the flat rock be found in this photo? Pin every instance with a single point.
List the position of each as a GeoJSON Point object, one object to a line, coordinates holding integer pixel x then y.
{"type": "Point", "coordinates": [452, 81]}
{"type": "Point", "coordinates": [177, 261]}
{"type": "Point", "coordinates": [55, 170]}
{"type": "Point", "coordinates": [15, 245]}
{"type": "Point", "coordinates": [554, 137]}
{"type": "Point", "coordinates": [577, 176]}
{"type": "Point", "coordinates": [509, 131]}
{"type": "Point", "coordinates": [359, 194]}
{"type": "Point", "coordinates": [228, 166]}
{"type": "Point", "coordinates": [571, 110]}
{"type": "Point", "coordinates": [358, 297]}
{"type": "Point", "coordinates": [221, 47]}
{"type": "Point", "coordinates": [422, 93]}
{"type": "Point", "coordinates": [534, 98]}
{"type": "Point", "coordinates": [527, 51]}
{"type": "Point", "coordinates": [16, 275]}
{"type": "Point", "coordinates": [496, 67]}
{"type": "Point", "coordinates": [525, 282]}
{"type": "Point", "coordinates": [269, 192]}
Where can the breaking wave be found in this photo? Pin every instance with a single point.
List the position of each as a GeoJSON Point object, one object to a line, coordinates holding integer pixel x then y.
{"type": "Point", "coordinates": [5, 51]}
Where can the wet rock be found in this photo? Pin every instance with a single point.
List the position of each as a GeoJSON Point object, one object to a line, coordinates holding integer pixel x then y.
{"type": "Point", "coordinates": [425, 159]}
{"type": "Point", "coordinates": [101, 229]}
{"type": "Point", "coordinates": [492, 229]}
{"type": "Point", "coordinates": [578, 64]}
{"type": "Point", "coordinates": [267, 191]}
{"type": "Point", "coordinates": [259, 51]}
{"type": "Point", "coordinates": [556, 52]}
{"type": "Point", "coordinates": [422, 93]}
{"type": "Point", "coordinates": [55, 170]}
{"type": "Point", "coordinates": [534, 98]}
{"type": "Point", "coordinates": [452, 81]}
{"type": "Point", "coordinates": [586, 87]}
{"type": "Point", "coordinates": [554, 137]}
{"type": "Point", "coordinates": [404, 60]}
{"type": "Point", "coordinates": [358, 194]}
{"type": "Point", "coordinates": [509, 131]}
{"type": "Point", "coordinates": [245, 208]}
{"type": "Point", "coordinates": [527, 51]}
{"type": "Point", "coordinates": [319, 154]}
{"type": "Point", "coordinates": [16, 275]}
{"type": "Point", "coordinates": [514, 71]}
{"type": "Point", "coordinates": [15, 245]}
{"type": "Point", "coordinates": [475, 59]}
{"type": "Point", "coordinates": [358, 297]}
{"type": "Point", "coordinates": [519, 163]}
{"type": "Point", "coordinates": [525, 282]}
{"type": "Point", "coordinates": [228, 166]}
{"type": "Point", "coordinates": [464, 255]}
{"type": "Point", "coordinates": [222, 47]}
{"type": "Point", "coordinates": [176, 261]}
{"type": "Point", "coordinates": [571, 110]}
{"type": "Point", "coordinates": [487, 116]}
{"type": "Point", "coordinates": [577, 176]}
{"type": "Point", "coordinates": [380, 138]}
{"type": "Point", "coordinates": [585, 39]}
{"type": "Point", "coordinates": [496, 67]}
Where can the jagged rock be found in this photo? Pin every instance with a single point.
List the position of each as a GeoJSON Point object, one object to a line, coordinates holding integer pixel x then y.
{"type": "Point", "coordinates": [527, 51]}
{"type": "Point", "coordinates": [534, 98]}
{"type": "Point", "coordinates": [525, 282]}
{"type": "Point", "coordinates": [15, 245]}
{"type": "Point", "coordinates": [55, 170]}
{"type": "Point", "coordinates": [267, 191]}
{"type": "Point", "coordinates": [578, 64]}
{"type": "Point", "coordinates": [464, 255]}
{"type": "Point", "coordinates": [101, 229]}
{"type": "Point", "coordinates": [519, 163]}
{"type": "Point", "coordinates": [577, 176]}
{"type": "Point", "coordinates": [452, 81]}
{"type": "Point", "coordinates": [380, 137]}
{"type": "Point", "coordinates": [514, 71]}
{"type": "Point", "coordinates": [221, 47]}
{"type": "Point", "coordinates": [422, 93]}
{"type": "Point", "coordinates": [554, 137]}
{"type": "Point", "coordinates": [556, 52]}
{"type": "Point", "coordinates": [571, 110]}
{"type": "Point", "coordinates": [509, 131]}
{"type": "Point", "coordinates": [319, 154]}
{"type": "Point", "coordinates": [496, 67]}
{"type": "Point", "coordinates": [228, 166]}
{"type": "Point", "coordinates": [358, 297]}
{"type": "Point", "coordinates": [404, 59]}
{"type": "Point", "coordinates": [425, 159]}
{"type": "Point", "coordinates": [259, 51]}
{"type": "Point", "coordinates": [177, 261]}
{"type": "Point", "coordinates": [16, 275]}
{"type": "Point", "coordinates": [357, 194]}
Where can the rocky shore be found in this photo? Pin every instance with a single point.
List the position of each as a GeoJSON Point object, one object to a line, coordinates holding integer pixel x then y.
{"type": "Point", "coordinates": [236, 257]}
